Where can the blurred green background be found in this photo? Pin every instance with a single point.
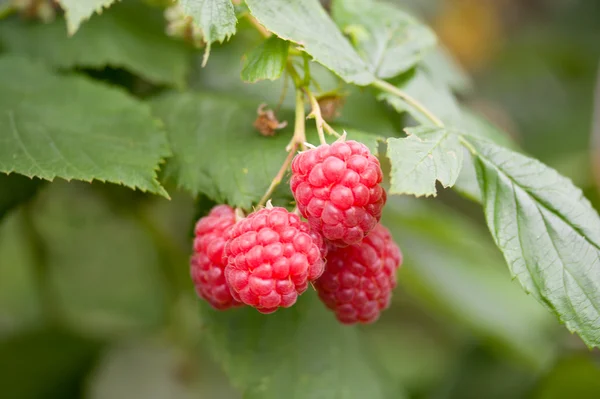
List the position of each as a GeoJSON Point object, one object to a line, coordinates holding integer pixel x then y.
{"type": "Point", "coordinates": [95, 299]}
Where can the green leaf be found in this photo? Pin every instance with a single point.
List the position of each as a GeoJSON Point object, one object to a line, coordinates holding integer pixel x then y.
{"type": "Point", "coordinates": [307, 24]}
{"type": "Point", "coordinates": [431, 93]}
{"type": "Point", "coordinates": [15, 189]}
{"type": "Point", "coordinates": [549, 234]}
{"type": "Point", "coordinates": [301, 352]}
{"type": "Point", "coordinates": [129, 35]}
{"type": "Point", "coordinates": [427, 155]}
{"type": "Point", "coordinates": [267, 61]}
{"type": "Point", "coordinates": [75, 128]}
{"type": "Point", "coordinates": [102, 265]}
{"type": "Point", "coordinates": [454, 270]}
{"type": "Point", "coordinates": [387, 38]}
{"type": "Point", "coordinates": [77, 11]}
{"type": "Point", "coordinates": [361, 110]}
{"type": "Point", "coordinates": [217, 151]}
{"type": "Point", "coordinates": [216, 19]}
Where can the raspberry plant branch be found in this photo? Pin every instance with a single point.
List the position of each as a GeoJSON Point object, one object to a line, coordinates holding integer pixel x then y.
{"type": "Point", "coordinates": [389, 88]}
{"type": "Point", "coordinates": [298, 140]}
{"type": "Point", "coordinates": [299, 82]}
{"type": "Point", "coordinates": [316, 114]}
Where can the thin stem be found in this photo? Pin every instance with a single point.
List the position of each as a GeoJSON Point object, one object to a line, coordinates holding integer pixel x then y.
{"type": "Point", "coordinates": [389, 88]}
{"type": "Point", "coordinates": [467, 145]}
{"type": "Point", "coordinates": [316, 112]}
{"type": "Point", "coordinates": [294, 74]}
{"type": "Point", "coordinates": [306, 67]}
{"type": "Point", "coordinates": [279, 177]}
{"type": "Point", "coordinates": [299, 132]}
{"type": "Point", "coordinates": [283, 92]}
{"type": "Point", "coordinates": [331, 130]}
{"type": "Point", "coordinates": [297, 141]}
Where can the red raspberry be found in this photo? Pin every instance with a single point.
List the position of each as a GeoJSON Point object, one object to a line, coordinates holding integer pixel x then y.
{"type": "Point", "coordinates": [208, 265]}
{"type": "Point", "coordinates": [272, 258]}
{"type": "Point", "coordinates": [337, 190]}
{"type": "Point", "coordinates": [358, 282]}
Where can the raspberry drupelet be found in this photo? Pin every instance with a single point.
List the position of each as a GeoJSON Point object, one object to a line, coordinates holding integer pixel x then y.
{"type": "Point", "coordinates": [207, 266]}
{"type": "Point", "coordinates": [337, 189]}
{"type": "Point", "coordinates": [272, 257]}
{"type": "Point", "coordinates": [358, 282]}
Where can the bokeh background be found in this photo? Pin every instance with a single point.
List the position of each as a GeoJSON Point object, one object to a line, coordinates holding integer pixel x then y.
{"type": "Point", "coordinates": [95, 300]}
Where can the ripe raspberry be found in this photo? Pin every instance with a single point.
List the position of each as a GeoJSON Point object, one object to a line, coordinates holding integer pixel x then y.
{"type": "Point", "coordinates": [337, 190]}
{"type": "Point", "coordinates": [272, 258]}
{"type": "Point", "coordinates": [359, 279]}
{"type": "Point", "coordinates": [207, 266]}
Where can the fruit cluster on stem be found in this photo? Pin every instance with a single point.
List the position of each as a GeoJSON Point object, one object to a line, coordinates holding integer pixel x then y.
{"type": "Point", "coordinates": [267, 259]}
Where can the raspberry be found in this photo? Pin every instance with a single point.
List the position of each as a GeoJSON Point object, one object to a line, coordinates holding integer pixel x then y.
{"type": "Point", "coordinates": [272, 258]}
{"type": "Point", "coordinates": [358, 282]}
{"type": "Point", "coordinates": [337, 190]}
{"type": "Point", "coordinates": [207, 265]}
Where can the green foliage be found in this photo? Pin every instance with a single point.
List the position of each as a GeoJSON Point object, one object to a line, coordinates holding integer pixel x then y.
{"type": "Point", "coordinates": [94, 132]}
{"type": "Point", "coordinates": [305, 23]}
{"type": "Point", "coordinates": [296, 353]}
{"type": "Point", "coordinates": [267, 61]}
{"type": "Point", "coordinates": [128, 35]}
{"type": "Point", "coordinates": [215, 18]}
{"type": "Point", "coordinates": [78, 11]}
{"type": "Point", "coordinates": [204, 128]}
{"type": "Point", "coordinates": [388, 39]}
{"type": "Point", "coordinates": [548, 232]}
{"type": "Point", "coordinates": [427, 155]}
{"type": "Point", "coordinates": [121, 102]}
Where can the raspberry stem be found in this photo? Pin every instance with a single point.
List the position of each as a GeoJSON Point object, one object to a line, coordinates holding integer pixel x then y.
{"type": "Point", "coordinates": [316, 113]}
{"type": "Point", "coordinates": [389, 88]}
{"type": "Point", "coordinates": [320, 122]}
{"type": "Point", "coordinates": [299, 133]}
{"type": "Point", "coordinates": [297, 141]}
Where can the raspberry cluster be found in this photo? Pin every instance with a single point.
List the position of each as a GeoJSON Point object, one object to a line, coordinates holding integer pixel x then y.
{"type": "Point", "coordinates": [267, 259]}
